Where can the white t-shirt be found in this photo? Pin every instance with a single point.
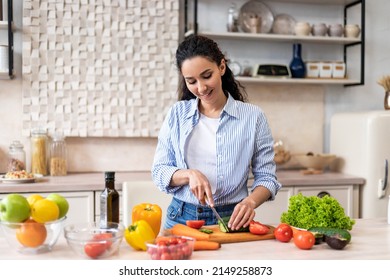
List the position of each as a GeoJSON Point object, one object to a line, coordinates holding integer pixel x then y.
{"type": "Point", "coordinates": [201, 151]}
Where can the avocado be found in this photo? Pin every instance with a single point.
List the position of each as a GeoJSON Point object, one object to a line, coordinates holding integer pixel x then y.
{"type": "Point", "coordinates": [335, 242]}
{"type": "Point", "coordinates": [229, 230]}
{"type": "Point", "coordinates": [336, 238]}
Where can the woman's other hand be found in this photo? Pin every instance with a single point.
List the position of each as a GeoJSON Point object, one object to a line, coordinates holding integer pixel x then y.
{"type": "Point", "coordinates": [243, 214]}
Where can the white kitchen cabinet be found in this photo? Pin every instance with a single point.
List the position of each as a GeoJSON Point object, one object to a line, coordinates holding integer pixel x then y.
{"type": "Point", "coordinates": [270, 211]}
{"type": "Point", "coordinates": [209, 18]}
{"type": "Point", "coordinates": [81, 205]}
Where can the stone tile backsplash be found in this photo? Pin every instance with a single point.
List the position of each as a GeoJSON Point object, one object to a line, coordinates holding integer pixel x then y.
{"type": "Point", "coordinates": [100, 68]}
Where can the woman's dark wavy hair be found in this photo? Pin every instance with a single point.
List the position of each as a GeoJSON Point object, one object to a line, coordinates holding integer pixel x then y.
{"type": "Point", "coordinates": [196, 45]}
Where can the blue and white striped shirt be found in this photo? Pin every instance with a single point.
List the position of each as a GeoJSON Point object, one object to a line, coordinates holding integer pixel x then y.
{"type": "Point", "coordinates": [243, 140]}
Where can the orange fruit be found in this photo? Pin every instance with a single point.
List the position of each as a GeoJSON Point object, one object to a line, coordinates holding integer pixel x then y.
{"type": "Point", "coordinates": [31, 234]}
{"type": "Point", "coordinates": [45, 210]}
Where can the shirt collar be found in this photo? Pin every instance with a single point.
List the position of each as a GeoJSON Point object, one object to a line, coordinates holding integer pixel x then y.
{"type": "Point", "coordinates": [231, 107]}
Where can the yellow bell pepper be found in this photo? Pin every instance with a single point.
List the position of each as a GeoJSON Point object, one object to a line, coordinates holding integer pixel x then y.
{"type": "Point", "coordinates": [138, 233]}
{"type": "Point", "coordinates": [151, 213]}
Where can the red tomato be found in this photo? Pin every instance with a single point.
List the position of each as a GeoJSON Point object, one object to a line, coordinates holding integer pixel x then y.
{"type": "Point", "coordinates": [94, 250]}
{"type": "Point", "coordinates": [283, 233]}
{"type": "Point", "coordinates": [195, 223]}
{"type": "Point", "coordinates": [104, 236]}
{"type": "Point", "coordinates": [304, 239]}
{"type": "Point", "coordinates": [258, 228]}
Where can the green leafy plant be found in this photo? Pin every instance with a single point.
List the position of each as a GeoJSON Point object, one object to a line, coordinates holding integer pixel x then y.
{"type": "Point", "coordinates": [312, 211]}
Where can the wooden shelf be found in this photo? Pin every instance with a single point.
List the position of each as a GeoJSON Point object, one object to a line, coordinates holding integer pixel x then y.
{"type": "Point", "coordinates": [314, 41]}
{"type": "Point", "coordinates": [306, 81]}
{"type": "Point", "coordinates": [5, 75]}
{"type": "Point", "coordinates": [320, 2]}
{"type": "Point", "coordinates": [280, 38]}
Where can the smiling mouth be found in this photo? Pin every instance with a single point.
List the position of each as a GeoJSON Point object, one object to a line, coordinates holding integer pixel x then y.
{"type": "Point", "coordinates": [205, 94]}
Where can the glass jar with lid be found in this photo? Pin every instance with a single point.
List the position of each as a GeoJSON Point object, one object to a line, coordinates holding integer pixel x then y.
{"type": "Point", "coordinates": [16, 157]}
{"type": "Point", "coordinates": [58, 156]}
{"type": "Point", "coordinates": [39, 146]}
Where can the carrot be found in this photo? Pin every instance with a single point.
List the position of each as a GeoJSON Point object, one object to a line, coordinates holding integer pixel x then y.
{"type": "Point", "coordinates": [206, 245]}
{"type": "Point", "coordinates": [180, 229]}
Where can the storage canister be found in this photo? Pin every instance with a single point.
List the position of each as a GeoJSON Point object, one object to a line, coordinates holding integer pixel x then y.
{"type": "Point", "coordinates": [16, 157]}
{"type": "Point", "coordinates": [39, 151]}
{"type": "Point", "coordinates": [58, 156]}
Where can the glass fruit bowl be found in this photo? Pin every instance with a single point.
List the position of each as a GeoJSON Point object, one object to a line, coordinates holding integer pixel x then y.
{"type": "Point", "coordinates": [30, 237]}
{"type": "Point", "coordinates": [170, 247]}
{"type": "Point", "coordinates": [91, 241]}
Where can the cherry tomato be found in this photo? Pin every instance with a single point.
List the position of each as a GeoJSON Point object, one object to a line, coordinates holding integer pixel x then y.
{"type": "Point", "coordinates": [304, 239]}
{"type": "Point", "coordinates": [283, 233]}
{"type": "Point", "coordinates": [258, 228]}
{"type": "Point", "coordinates": [94, 250]}
{"type": "Point", "coordinates": [195, 223]}
{"type": "Point", "coordinates": [104, 236]}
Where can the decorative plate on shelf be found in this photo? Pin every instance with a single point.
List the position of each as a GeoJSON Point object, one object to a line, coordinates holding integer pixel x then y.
{"type": "Point", "coordinates": [283, 24]}
{"type": "Point", "coordinates": [253, 9]}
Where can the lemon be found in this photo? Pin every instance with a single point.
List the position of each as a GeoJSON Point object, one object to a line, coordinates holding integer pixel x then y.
{"type": "Point", "coordinates": [45, 210]}
{"type": "Point", "coordinates": [34, 198]}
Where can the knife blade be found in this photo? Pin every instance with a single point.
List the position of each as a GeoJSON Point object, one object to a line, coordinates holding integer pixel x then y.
{"type": "Point", "coordinates": [217, 216]}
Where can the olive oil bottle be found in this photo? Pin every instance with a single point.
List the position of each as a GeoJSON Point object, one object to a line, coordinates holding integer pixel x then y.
{"type": "Point", "coordinates": [109, 202]}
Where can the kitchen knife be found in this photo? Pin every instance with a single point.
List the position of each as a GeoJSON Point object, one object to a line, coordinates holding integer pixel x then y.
{"type": "Point", "coordinates": [219, 219]}
{"type": "Point", "coordinates": [218, 216]}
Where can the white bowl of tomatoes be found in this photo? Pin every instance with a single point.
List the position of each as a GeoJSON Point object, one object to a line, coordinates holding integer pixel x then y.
{"type": "Point", "coordinates": [171, 247]}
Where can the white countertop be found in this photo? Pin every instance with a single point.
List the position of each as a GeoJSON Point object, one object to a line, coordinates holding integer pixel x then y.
{"type": "Point", "coordinates": [95, 181]}
{"type": "Point", "coordinates": [370, 240]}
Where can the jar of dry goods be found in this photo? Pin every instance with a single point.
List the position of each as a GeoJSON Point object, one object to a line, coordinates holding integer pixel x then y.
{"type": "Point", "coordinates": [39, 148]}
{"type": "Point", "coordinates": [16, 157]}
{"type": "Point", "coordinates": [58, 156]}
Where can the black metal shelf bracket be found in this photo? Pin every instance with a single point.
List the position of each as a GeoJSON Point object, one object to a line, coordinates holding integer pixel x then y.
{"type": "Point", "coordinates": [362, 38]}
{"type": "Point", "coordinates": [10, 40]}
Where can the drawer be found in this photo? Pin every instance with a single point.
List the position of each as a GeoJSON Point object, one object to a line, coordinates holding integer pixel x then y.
{"type": "Point", "coordinates": [343, 194]}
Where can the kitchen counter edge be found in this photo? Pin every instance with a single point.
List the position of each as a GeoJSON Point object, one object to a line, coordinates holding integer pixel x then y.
{"type": "Point", "coordinates": [95, 181]}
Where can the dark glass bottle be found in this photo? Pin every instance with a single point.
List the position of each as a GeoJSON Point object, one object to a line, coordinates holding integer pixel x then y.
{"type": "Point", "coordinates": [297, 67]}
{"type": "Point", "coordinates": [109, 202]}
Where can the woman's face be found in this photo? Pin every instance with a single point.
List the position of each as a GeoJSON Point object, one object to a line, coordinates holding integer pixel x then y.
{"type": "Point", "coordinates": [203, 77]}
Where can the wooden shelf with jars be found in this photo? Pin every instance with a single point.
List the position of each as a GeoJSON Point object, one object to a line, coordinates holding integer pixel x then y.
{"type": "Point", "coordinates": [345, 43]}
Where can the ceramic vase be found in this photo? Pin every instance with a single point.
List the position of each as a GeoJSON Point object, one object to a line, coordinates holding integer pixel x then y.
{"type": "Point", "coordinates": [297, 66]}
{"type": "Point", "coordinates": [387, 100]}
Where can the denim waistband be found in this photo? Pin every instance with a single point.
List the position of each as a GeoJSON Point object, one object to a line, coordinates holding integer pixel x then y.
{"type": "Point", "coordinates": [204, 208]}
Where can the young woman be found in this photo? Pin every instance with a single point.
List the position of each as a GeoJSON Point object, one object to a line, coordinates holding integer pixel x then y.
{"type": "Point", "coordinates": [210, 141]}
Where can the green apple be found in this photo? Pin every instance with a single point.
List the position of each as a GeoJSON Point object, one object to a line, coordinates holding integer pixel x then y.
{"type": "Point", "coordinates": [14, 208]}
{"type": "Point", "coordinates": [61, 202]}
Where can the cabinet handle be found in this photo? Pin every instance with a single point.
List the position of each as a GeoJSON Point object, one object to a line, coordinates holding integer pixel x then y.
{"type": "Point", "coordinates": [322, 194]}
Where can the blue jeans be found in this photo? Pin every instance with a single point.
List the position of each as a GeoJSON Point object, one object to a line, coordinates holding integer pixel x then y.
{"type": "Point", "coordinates": [179, 212]}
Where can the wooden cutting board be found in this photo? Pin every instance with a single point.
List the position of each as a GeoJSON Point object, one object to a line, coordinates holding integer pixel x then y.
{"type": "Point", "coordinates": [234, 237]}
